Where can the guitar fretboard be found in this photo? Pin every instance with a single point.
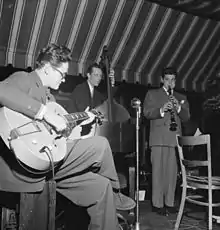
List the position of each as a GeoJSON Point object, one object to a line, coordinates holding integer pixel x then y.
{"type": "Point", "coordinates": [74, 117]}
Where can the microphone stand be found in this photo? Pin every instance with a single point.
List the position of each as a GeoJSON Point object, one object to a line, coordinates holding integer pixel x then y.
{"type": "Point", "coordinates": [136, 103]}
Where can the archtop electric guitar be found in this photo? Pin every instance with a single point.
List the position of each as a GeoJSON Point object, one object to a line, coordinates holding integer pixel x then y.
{"type": "Point", "coordinates": [35, 143]}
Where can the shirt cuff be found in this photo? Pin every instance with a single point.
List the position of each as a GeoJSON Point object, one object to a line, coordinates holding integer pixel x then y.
{"type": "Point", "coordinates": [179, 109]}
{"type": "Point", "coordinates": [41, 112]}
{"type": "Point", "coordinates": [161, 113]}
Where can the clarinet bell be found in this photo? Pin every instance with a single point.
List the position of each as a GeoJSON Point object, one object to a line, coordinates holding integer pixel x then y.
{"type": "Point", "coordinates": [173, 126]}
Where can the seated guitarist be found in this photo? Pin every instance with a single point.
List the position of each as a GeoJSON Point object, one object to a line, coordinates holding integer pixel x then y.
{"type": "Point", "coordinates": [87, 176]}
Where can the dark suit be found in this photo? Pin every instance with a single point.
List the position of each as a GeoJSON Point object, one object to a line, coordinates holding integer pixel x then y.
{"type": "Point", "coordinates": [76, 179]}
{"type": "Point", "coordinates": [81, 98]}
{"type": "Point", "coordinates": [162, 142]}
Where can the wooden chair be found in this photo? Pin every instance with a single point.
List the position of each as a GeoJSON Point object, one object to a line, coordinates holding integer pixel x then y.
{"type": "Point", "coordinates": [202, 182]}
{"type": "Point", "coordinates": [30, 211]}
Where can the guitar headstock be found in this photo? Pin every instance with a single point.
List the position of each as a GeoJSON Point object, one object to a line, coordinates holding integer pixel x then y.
{"type": "Point", "coordinates": [98, 116]}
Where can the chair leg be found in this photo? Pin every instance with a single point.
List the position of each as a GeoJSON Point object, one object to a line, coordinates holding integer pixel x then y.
{"type": "Point", "coordinates": [8, 219]}
{"type": "Point", "coordinates": [182, 204]}
{"type": "Point", "coordinates": [37, 211]}
{"type": "Point", "coordinates": [210, 214]}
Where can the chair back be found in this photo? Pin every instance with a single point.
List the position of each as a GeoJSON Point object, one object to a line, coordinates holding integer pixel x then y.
{"type": "Point", "coordinates": [199, 157]}
{"type": "Point", "coordinates": [195, 161]}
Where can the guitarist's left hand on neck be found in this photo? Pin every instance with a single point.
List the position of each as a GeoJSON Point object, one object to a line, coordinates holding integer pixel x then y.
{"type": "Point", "coordinates": [91, 118]}
{"type": "Point", "coordinates": [76, 133]}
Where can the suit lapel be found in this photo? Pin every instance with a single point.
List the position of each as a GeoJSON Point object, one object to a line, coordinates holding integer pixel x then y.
{"type": "Point", "coordinates": [163, 97]}
{"type": "Point", "coordinates": [176, 95]}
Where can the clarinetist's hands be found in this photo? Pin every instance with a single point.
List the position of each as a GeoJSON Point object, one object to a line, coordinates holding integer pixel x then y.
{"type": "Point", "coordinates": [175, 102]}
{"type": "Point", "coordinates": [167, 107]}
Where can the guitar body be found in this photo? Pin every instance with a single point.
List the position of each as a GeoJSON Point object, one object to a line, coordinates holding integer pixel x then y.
{"type": "Point", "coordinates": [33, 142]}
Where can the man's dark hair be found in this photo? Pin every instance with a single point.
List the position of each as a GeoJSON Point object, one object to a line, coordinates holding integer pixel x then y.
{"type": "Point", "coordinates": [94, 65]}
{"type": "Point", "coordinates": [169, 70]}
{"type": "Point", "coordinates": [53, 54]}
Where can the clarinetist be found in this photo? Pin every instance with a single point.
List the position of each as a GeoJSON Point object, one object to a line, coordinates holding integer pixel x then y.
{"type": "Point", "coordinates": [166, 109]}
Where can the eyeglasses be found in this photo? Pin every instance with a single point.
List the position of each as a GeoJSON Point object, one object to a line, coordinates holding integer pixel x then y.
{"type": "Point", "coordinates": [63, 75]}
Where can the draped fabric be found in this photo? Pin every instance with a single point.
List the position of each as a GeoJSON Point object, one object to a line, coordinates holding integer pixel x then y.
{"type": "Point", "coordinates": [141, 36]}
{"type": "Point", "coordinates": [203, 8]}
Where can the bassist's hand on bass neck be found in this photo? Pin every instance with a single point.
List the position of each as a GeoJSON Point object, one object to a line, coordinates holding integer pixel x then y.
{"type": "Point", "coordinates": [112, 77]}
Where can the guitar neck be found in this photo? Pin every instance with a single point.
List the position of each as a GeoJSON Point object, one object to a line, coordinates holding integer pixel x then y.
{"type": "Point", "coordinates": [74, 117]}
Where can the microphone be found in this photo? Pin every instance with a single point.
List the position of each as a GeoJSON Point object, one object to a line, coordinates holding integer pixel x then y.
{"type": "Point", "coordinates": [135, 103]}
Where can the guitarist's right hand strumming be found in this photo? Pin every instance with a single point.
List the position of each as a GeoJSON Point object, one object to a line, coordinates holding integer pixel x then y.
{"type": "Point", "coordinates": [56, 120]}
{"type": "Point", "coordinates": [27, 137]}
{"type": "Point", "coordinates": [59, 122]}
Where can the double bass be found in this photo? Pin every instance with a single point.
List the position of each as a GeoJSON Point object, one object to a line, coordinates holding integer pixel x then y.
{"type": "Point", "coordinates": [116, 127]}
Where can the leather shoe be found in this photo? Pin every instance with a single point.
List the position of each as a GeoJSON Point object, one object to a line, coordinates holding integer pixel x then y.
{"type": "Point", "coordinates": [160, 211]}
{"type": "Point", "coordinates": [123, 202]}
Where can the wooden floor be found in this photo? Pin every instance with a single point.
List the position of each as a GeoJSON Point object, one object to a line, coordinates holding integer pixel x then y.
{"type": "Point", "coordinates": [194, 219]}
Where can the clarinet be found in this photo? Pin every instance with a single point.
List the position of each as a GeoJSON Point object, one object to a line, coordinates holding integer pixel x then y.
{"type": "Point", "coordinates": [173, 124]}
